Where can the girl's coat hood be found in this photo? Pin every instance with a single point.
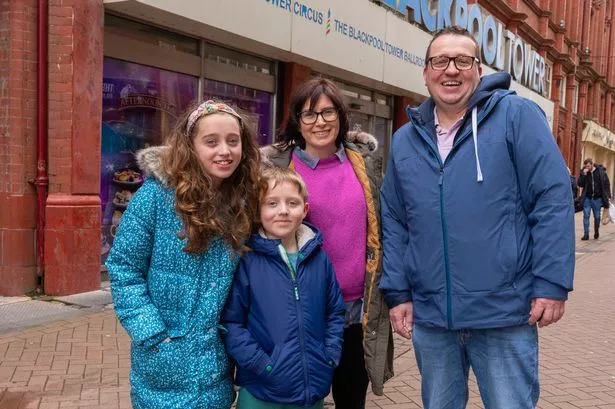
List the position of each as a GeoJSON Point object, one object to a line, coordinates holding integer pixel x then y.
{"type": "Point", "coordinates": [150, 162]}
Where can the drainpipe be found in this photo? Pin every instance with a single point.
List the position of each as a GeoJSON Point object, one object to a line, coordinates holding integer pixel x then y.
{"type": "Point", "coordinates": [42, 180]}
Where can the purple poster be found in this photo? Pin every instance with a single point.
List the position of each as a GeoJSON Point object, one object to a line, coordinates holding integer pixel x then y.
{"type": "Point", "coordinates": [140, 106]}
{"type": "Point", "coordinates": [256, 105]}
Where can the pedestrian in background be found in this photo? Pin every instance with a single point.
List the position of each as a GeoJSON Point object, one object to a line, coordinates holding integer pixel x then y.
{"type": "Point", "coordinates": [343, 173]}
{"type": "Point", "coordinates": [285, 313]}
{"type": "Point", "coordinates": [595, 194]}
{"type": "Point", "coordinates": [478, 231]}
{"type": "Point", "coordinates": [174, 255]}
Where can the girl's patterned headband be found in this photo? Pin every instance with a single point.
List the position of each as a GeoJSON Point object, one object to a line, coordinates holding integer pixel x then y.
{"type": "Point", "coordinates": [208, 108]}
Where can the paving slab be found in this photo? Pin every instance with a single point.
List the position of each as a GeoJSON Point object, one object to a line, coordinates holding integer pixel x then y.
{"type": "Point", "coordinates": [100, 298]}
{"type": "Point", "coordinates": [83, 361]}
{"type": "Point", "coordinates": [30, 312]}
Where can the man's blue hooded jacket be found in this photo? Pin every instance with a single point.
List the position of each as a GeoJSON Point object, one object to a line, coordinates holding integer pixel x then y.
{"type": "Point", "coordinates": [471, 240]}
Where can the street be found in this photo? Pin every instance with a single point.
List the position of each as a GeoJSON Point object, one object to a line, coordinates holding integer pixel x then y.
{"type": "Point", "coordinates": [83, 361]}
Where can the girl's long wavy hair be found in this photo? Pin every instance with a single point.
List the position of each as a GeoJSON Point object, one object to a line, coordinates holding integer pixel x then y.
{"type": "Point", "coordinates": [207, 212]}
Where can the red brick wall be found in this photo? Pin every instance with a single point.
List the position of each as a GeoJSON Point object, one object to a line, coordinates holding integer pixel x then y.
{"type": "Point", "coordinates": [294, 75]}
{"type": "Point", "coordinates": [72, 233]}
{"type": "Point", "coordinates": [17, 146]}
{"type": "Point", "coordinates": [400, 117]}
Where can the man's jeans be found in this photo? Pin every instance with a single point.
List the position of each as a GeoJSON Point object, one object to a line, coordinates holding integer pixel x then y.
{"type": "Point", "coordinates": [504, 361]}
{"type": "Point", "coordinates": [595, 205]}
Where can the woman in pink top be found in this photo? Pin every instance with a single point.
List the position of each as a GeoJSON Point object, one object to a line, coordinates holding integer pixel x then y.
{"type": "Point", "coordinates": [343, 173]}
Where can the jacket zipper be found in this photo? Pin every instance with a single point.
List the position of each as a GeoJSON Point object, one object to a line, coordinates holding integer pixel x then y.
{"type": "Point", "coordinates": [447, 268]}
{"type": "Point", "coordinates": [293, 278]}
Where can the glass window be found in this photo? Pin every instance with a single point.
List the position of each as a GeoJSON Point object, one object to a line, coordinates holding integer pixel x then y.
{"type": "Point", "coordinates": [140, 106]}
{"type": "Point", "coordinates": [257, 105]}
{"type": "Point", "coordinates": [237, 59]}
{"type": "Point", "coordinates": [562, 92]}
{"type": "Point", "coordinates": [359, 122]}
{"type": "Point", "coordinates": [151, 35]}
{"type": "Point", "coordinates": [548, 76]}
{"type": "Point", "coordinates": [381, 131]}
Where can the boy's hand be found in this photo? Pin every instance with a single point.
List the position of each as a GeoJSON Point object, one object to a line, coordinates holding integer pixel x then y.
{"type": "Point", "coordinates": [401, 319]}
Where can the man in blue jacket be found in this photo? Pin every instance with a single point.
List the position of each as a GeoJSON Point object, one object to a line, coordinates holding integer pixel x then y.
{"type": "Point", "coordinates": [478, 231]}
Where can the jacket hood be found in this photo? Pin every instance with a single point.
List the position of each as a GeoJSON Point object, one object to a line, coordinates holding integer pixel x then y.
{"type": "Point", "coordinates": [149, 161]}
{"type": "Point", "coordinates": [309, 238]}
{"type": "Point", "coordinates": [363, 140]}
{"type": "Point", "coordinates": [488, 85]}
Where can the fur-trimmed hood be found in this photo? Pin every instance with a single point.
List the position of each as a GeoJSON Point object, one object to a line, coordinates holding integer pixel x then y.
{"type": "Point", "coordinates": [363, 141]}
{"type": "Point", "coordinates": [150, 162]}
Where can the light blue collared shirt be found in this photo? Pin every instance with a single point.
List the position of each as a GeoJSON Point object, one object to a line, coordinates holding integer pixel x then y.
{"type": "Point", "coordinates": [312, 161]}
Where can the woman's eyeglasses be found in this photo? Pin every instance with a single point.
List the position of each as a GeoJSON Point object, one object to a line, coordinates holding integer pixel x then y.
{"type": "Point", "coordinates": [310, 117]}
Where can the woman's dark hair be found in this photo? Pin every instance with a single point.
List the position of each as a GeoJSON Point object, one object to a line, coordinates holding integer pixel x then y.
{"type": "Point", "coordinates": [312, 90]}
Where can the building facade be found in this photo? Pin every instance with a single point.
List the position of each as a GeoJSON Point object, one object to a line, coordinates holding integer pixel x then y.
{"type": "Point", "coordinates": [115, 74]}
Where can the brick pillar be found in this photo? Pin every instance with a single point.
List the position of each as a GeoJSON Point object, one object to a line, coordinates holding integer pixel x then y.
{"type": "Point", "coordinates": [573, 17]}
{"type": "Point", "coordinates": [608, 100]}
{"type": "Point", "coordinates": [400, 116]}
{"type": "Point", "coordinates": [585, 25]}
{"type": "Point", "coordinates": [610, 69]}
{"type": "Point", "coordinates": [601, 41]}
{"type": "Point", "coordinates": [582, 114]}
{"type": "Point", "coordinates": [294, 75]}
{"type": "Point", "coordinates": [72, 233]}
{"type": "Point", "coordinates": [597, 97]}
{"type": "Point", "coordinates": [570, 142]}
{"type": "Point", "coordinates": [17, 146]}
{"type": "Point", "coordinates": [556, 84]}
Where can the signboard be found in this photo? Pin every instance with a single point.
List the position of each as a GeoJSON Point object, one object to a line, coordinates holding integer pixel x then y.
{"type": "Point", "coordinates": [358, 36]}
{"type": "Point", "coordinates": [500, 48]}
{"type": "Point", "coordinates": [594, 133]}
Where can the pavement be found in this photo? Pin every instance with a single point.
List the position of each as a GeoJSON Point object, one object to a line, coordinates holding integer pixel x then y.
{"type": "Point", "coordinates": [70, 352]}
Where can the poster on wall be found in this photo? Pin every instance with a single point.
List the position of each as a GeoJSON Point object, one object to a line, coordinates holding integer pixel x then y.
{"type": "Point", "coordinates": [140, 106]}
{"type": "Point", "coordinates": [255, 105]}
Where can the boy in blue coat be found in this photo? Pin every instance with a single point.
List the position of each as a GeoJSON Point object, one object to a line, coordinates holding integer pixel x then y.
{"type": "Point", "coordinates": [285, 313]}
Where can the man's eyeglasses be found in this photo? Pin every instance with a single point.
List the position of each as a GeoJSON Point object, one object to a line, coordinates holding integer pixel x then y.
{"type": "Point", "coordinates": [310, 117]}
{"type": "Point", "coordinates": [462, 62]}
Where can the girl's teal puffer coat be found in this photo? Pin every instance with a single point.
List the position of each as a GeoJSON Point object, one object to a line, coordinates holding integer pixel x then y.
{"type": "Point", "coordinates": [161, 291]}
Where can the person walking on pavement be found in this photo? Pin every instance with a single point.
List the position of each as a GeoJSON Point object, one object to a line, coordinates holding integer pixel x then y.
{"type": "Point", "coordinates": [478, 231]}
{"type": "Point", "coordinates": [174, 255]}
{"type": "Point", "coordinates": [343, 173]}
{"type": "Point", "coordinates": [285, 313]}
{"type": "Point", "coordinates": [595, 194]}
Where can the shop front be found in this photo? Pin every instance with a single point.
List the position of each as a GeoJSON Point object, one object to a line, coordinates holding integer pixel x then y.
{"type": "Point", "coordinates": [598, 143]}
{"type": "Point", "coordinates": [369, 111]}
{"type": "Point", "coordinates": [371, 51]}
{"type": "Point", "coordinates": [150, 77]}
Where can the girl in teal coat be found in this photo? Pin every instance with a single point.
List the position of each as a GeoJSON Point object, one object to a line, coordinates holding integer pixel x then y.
{"type": "Point", "coordinates": [174, 255]}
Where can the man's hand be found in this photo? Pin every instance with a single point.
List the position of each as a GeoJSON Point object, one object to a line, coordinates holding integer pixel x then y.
{"type": "Point", "coordinates": [401, 319]}
{"type": "Point", "coordinates": [546, 311]}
